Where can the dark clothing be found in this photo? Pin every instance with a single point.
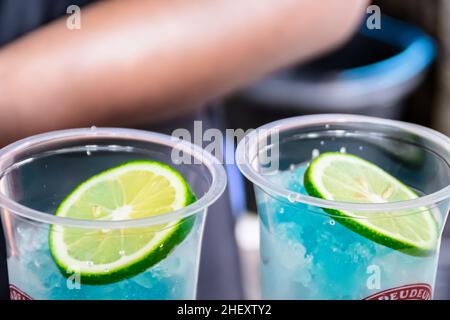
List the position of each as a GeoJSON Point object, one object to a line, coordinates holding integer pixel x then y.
{"type": "Point", "coordinates": [18, 17]}
{"type": "Point", "coordinates": [219, 268]}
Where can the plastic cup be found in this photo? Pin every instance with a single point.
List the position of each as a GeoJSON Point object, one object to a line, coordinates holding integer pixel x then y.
{"type": "Point", "coordinates": [307, 253]}
{"type": "Point", "coordinates": [37, 173]}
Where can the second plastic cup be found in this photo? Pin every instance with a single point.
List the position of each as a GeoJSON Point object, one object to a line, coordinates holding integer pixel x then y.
{"type": "Point", "coordinates": [36, 174]}
{"type": "Point", "coordinates": [307, 253]}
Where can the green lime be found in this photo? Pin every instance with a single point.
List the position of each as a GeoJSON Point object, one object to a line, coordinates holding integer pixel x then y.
{"type": "Point", "coordinates": [134, 190]}
{"type": "Point", "coordinates": [348, 178]}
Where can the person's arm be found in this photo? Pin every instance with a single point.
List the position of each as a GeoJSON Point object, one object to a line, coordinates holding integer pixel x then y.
{"type": "Point", "coordinates": [138, 61]}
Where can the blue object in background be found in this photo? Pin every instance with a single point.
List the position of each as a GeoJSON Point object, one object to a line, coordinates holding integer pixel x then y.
{"type": "Point", "coordinates": [372, 74]}
{"type": "Point", "coordinates": [236, 184]}
{"type": "Point", "coordinates": [416, 51]}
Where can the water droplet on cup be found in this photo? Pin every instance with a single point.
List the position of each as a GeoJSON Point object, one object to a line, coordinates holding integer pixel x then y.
{"type": "Point", "coordinates": [122, 253]}
{"type": "Point", "coordinates": [343, 150]}
{"type": "Point", "coordinates": [327, 126]}
{"type": "Point", "coordinates": [94, 128]}
{"type": "Point", "coordinates": [315, 153]}
{"type": "Point", "coordinates": [322, 143]}
{"type": "Point", "coordinates": [332, 222]}
{"type": "Point", "coordinates": [292, 197]}
{"type": "Point", "coordinates": [281, 210]}
{"type": "Point", "coordinates": [292, 168]}
{"type": "Point", "coordinates": [88, 153]}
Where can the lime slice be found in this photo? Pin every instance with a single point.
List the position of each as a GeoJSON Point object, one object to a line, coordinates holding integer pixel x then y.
{"type": "Point", "coordinates": [134, 190]}
{"type": "Point", "coordinates": [348, 178]}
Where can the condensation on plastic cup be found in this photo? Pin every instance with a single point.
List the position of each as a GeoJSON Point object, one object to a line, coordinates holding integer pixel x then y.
{"type": "Point", "coordinates": [248, 150]}
{"type": "Point", "coordinates": [217, 186]}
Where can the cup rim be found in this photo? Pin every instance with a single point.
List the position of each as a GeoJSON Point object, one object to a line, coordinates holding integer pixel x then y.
{"type": "Point", "coordinates": [217, 187]}
{"type": "Point", "coordinates": [253, 138]}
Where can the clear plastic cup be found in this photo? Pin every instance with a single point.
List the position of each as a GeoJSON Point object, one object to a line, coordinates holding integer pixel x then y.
{"type": "Point", "coordinates": [37, 173]}
{"type": "Point", "coordinates": [307, 253]}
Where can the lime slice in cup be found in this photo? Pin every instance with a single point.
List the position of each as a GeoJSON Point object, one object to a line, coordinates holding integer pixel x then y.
{"type": "Point", "coordinates": [134, 190]}
{"type": "Point", "coordinates": [348, 178]}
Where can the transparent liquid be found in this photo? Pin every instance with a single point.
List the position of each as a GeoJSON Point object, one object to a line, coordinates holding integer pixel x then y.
{"type": "Point", "coordinates": [41, 183]}
{"type": "Point", "coordinates": [305, 254]}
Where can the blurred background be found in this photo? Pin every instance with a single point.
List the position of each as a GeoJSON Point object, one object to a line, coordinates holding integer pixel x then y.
{"type": "Point", "coordinates": [401, 71]}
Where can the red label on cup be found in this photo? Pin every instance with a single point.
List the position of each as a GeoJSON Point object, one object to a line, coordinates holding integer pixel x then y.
{"type": "Point", "coordinates": [420, 291]}
{"type": "Point", "coordinates": [17, 294]}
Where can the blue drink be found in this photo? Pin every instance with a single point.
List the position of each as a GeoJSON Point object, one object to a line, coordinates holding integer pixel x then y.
{"type": "Point", "coordinates": [32, 271]}
{"type": "Point", "coordinates": [305, 252]}
{"type": "Point", "coordinates": [318, 258]}
{"type": "Point", "coordinates": [37, 175]}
